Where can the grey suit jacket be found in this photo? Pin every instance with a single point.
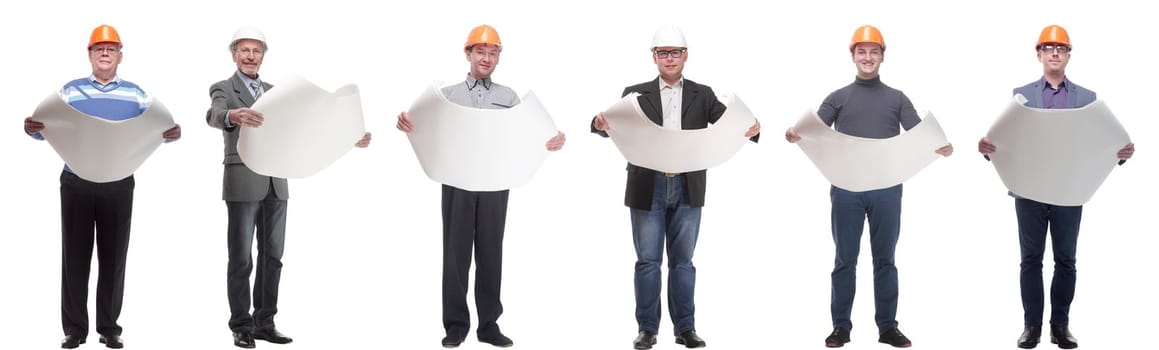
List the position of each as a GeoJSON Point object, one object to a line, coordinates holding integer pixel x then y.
{"type": "Point", "coordinates": [1076, 96]}
{"type": "Point", "coordinates": [239, 182]}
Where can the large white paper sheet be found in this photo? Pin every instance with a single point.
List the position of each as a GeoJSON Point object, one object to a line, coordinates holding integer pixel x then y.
{"type": "Point", "coordinates": [863, 164]}
{"type": "Point", "coordinates": [652, 146]}
{"type": "Point", "coordinates": [479, 149]}
{"type": "Point", "coordinates": [305, 129]}
{"type": "Point", "coordinates": [100, 150]}
{"type": "Point", "coordinates": [1056, 156]}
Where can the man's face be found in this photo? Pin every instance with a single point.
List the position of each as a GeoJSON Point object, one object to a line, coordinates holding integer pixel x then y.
{"type": "Point", "coordinates": [248, 55]}
{"type": "Point", "coordinates": [670, 61]}
{"type": "Point", "coordinates": [1054, 58]}
{"type": "Point", "coordinates": [483, 58]}
{"type": "Point", "coordinates": [868, 58]}
{"type": "Point", "coordinates": [105, 57]}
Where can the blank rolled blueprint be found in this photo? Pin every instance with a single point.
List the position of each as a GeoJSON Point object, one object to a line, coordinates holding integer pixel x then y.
{"type": "Point", "coordinates": [479, 149]}
{"type": "Point", "coordinates": [1056, 156]}
{"type": "Point", "coordinates": [652, 146]}
{"type": "Point", "coordinates": [305, 129]}
{"type": "Point", "coordinates": [863, 164]}
{"type": "Point", "coordinates": [97, 149]}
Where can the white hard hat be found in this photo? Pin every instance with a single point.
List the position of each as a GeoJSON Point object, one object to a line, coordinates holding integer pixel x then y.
{"type": "Point", "coordinates": [248, 32]}
{"type": "Point", "coordinates": [668, 35]}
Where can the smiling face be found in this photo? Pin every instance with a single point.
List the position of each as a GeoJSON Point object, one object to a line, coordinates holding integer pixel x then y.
{"type": "Point", "coordinates": [483, 58]}
{"type": "Point", "coordinates": [671, 67]}
{"type": "Point", "coordinates": [105, 57]}
{"type": "Point", "coordinates": [868, 57]}
{"type": "Point", "coordinates": [248, 55]}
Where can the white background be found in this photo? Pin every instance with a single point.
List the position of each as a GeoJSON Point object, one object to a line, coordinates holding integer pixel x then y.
{"type": "Point", "coordinates": [363, 251]}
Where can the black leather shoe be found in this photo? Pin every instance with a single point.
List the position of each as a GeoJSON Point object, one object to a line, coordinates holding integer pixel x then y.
{"type": "Point", "coordinates": [244, 339]}
{"type": "Point", "coordinates": [112, 341]}
{"type": "Point", "coordinates": [1030, 337]}
{"type": "Point", "coordinates": [1061, 335]}
{"type": "Point", "coordinates": [497, 339]}
{"type": "Point", "coordinates": [71, 341]}
{"type": "Point", "coordinates": [838, 338]}
{"type": "Point", "coordinates": [271, 335]}
{"type": "Point", "coordinates": [894, 337]}
{"type": "Point", "coordinates": [450, 341]}
{"type": "Point", "coordinates": [644, 341]}
{"type": "Point", "coordinates": [690, 340]}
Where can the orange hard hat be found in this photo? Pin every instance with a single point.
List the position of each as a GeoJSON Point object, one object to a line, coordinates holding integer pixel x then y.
{"type": "Point", "coordinates": [104, 34]}
{"type": "Point", "coordinates": [866, 34]}
{"type": "Point", "coordinates": [1053, 34]}
{"type": "Point", "coordinates": [483, 34]}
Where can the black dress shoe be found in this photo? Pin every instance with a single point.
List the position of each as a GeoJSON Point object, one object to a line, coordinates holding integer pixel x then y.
{"type": "Point", "coordinates": [690, 340]}
{"type": "Point", "coordinates": [894, 337]}
{"type": "Point", "coordinates": [1030, 337]}
{"type": "Point", "coordinates": [244, 339]}
{"type": "Point", "coordinates": [71, 341]}
{"type": "Point", "coordinates": [452, 341]}
{"type": "Point", "coordinates": [112, 341]}
{"type": "Point", "coordinates": [271, 335]}
{"type": "Point", "coordinates": [644, 341]}
{"type": "Point", "coordinates": [497, 339]}
{"type": "Point", "coordinates": [1061, 335]}
{"type": "Point", "coordinates": [838, 338]}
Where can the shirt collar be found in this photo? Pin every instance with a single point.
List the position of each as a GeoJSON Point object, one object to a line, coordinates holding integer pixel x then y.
{"type": "Point", "coordinates": [679, 84]}
{"type": "Point", "coordinates": [1061, 85]}
{"type": "Point", "coordinates": [247, 80]}
{"type": "Point", "coordinates": [472, 83]}
{"type": "Point", "coordinates": [93, 79]}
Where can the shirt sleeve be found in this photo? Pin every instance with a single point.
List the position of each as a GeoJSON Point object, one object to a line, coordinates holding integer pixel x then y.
{"type": "Point", "coordinates": [829, 109]}
{"type": "Point", "coordinates": [909, 117]}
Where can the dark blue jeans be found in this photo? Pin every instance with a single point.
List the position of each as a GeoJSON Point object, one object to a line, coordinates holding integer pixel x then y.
{"type": "Point", "coordinates": [673, 221]}
{"type": "Point", "coordinates": [850, 210]}
{"type": "Point", "coordinates": [266, 219]}
{"type": "Point", "coordinates": [1033, 220]}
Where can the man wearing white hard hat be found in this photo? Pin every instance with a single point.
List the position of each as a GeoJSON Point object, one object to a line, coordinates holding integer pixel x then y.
{"type": "Point", "coordinates": [475, 220]}
{"type": "Point", "coordinates": [253, 201]}
{"type": "Point", "coordinates": [93, 212]}
{"type": "Point", "coordinates": [665, 207]}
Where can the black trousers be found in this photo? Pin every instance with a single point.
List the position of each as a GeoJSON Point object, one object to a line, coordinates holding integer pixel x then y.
{"type": "Point", "coordinates": [472, 220]}
{"type": "Point", "coordinates": [105, 209]}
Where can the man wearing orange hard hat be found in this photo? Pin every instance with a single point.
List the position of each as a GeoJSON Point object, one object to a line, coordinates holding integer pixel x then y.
{"type": "Point", "coordinates": [475, 219]}
{"type": "Point", "coordinates": [104, 208]}
{"type": "Point", "coordinates": [1054, 90]}
{"type": "Point", "coordinates": [867, 108]}
{"type": "Point", "coordinates": [665, 208]}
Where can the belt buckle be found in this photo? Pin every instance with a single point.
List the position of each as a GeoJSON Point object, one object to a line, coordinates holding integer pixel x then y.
{"type": "Point", "coordinates": [671, 174]}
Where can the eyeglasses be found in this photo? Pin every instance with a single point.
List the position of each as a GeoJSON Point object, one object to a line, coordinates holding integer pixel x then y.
{"type": "Point", "coordinates": [248, 51]}
{"type": "Point", "coordinates": [102, 49]}
{"type": "Point", "coordinates": [674, 53]}
{"type": "Point", "coordinates": [1055, 48]}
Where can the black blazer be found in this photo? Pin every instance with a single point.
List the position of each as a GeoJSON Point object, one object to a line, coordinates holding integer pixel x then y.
{"type": "Point", "coordinates": [698, 108]}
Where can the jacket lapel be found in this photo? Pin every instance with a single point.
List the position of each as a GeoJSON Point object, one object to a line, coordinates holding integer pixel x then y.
{"type": "Point", "coordinates": [650, 96]}
{"type": "Point", "coordinates": [691, 91]}
{"type": "Point", "coordinates": [1072, 94]}
{"type": "Point", "coordinates": [242, 91]}
{"type": "Point", "coordinates": [1035, 97]}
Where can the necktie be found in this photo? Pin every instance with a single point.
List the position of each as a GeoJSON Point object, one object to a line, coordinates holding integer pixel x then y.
{"type": "Point", "coordinates": [257, 89]}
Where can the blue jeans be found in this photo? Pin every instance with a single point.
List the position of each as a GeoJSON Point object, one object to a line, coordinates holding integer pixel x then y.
{"type": "Point", "coordinates": [673, 221]}
{"type": "Point", "coordinates": [850, 209]}
{"type": "Point", "coordinates": [1033, 219]}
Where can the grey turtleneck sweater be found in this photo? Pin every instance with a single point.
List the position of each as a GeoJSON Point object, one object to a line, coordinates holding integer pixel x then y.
{"type": "Point", "coordinates": [869, 109]}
